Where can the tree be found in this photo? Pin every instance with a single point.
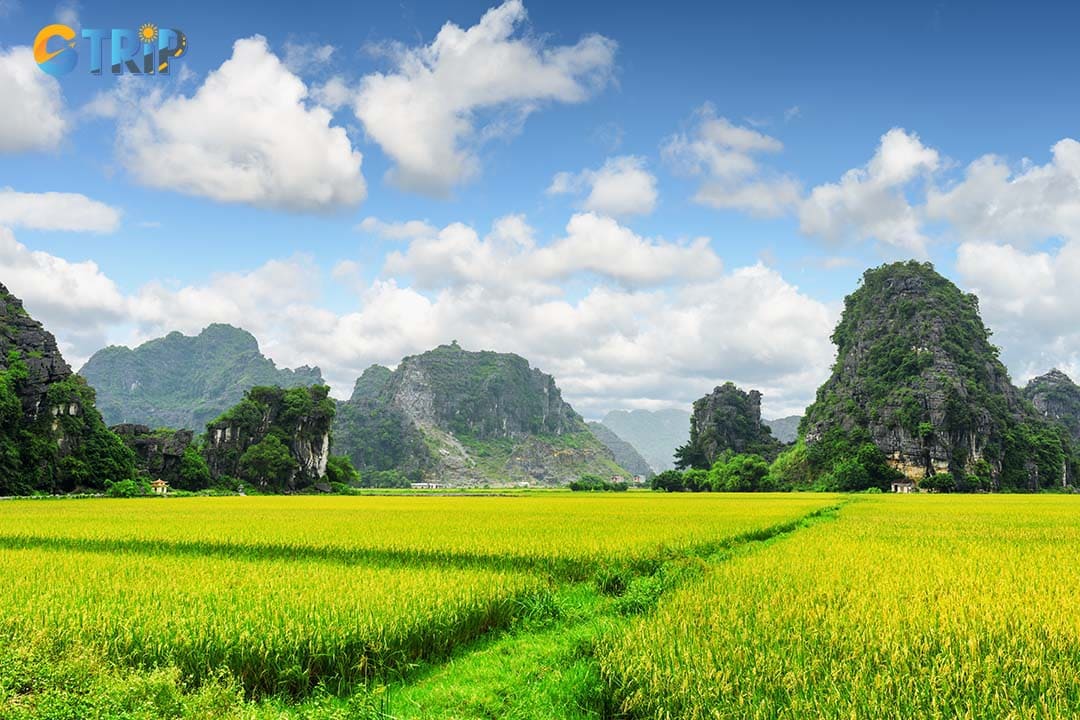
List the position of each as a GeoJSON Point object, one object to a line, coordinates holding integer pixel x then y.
{"type": "Point", "coordinates": [939, 482]}
{"type": "Point", "coordinates": [339, 469]}
{"type": "Point", "coordinates": [668, 481]}
{"type": "Point", "coordinates": [268, 463]}
{"type": "Point", "coordinates": [739, 473]}
{"type": "Point", "coordinates": [791, 470]}
{"type": "Point", "coordinates": [696, 480]}
{"type": "Point", "coordinates": [194, 473]}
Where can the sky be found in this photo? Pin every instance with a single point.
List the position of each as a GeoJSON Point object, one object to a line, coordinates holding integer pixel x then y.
{"type": "Point", "coordinates": [644, 200]}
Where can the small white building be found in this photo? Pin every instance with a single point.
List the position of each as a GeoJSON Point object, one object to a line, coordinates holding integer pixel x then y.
{"type": "Point", "coordinates": [904, 486]}
{"type": "Point", "coordinates": [425, 486]}
{"type": "Point", "coordinates": [160, 487]}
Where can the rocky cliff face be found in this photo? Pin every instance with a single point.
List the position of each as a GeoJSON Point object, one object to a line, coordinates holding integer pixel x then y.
{"type": "Point", "coordinates": [52, 438]}
{"type": "Point", "coordinates": [1056, 397]}
{"type": "Point", "coordinates": [917, 376]}
{"type": "Point", "coordinates": [184, 382]}
{"type": "Point", "coordinates": [158, 452]}
{"type": "Point", "coordinates": [36, 348]}
{"type": "Point", "coordinates": [467, 418]}
{"type": "Point", "coordinates": [625, 453]}
{"type": "Point", "coordinates": [485, 395]}
{"type": "Point", "coordinates": [276, 438]}
{"type": "Point", "coordinates": [727, 419]}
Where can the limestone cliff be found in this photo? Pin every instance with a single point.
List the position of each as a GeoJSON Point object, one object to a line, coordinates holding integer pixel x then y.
{"type": "Point", "coordinates": [656, 434]}
{"type": "Point", "coordinates": [468, 418]}
{"type": "Point", "coordinates": [275, 438]}
{"type": "Point", "coordinates": [785, 429]}
{"type": "Point", "coordinates": [1057, 397]}
{"type": "Point", "coordinates": [159, 452]}
{"type": "Point", "coordinates": [52, 438]}
{"type": "Point", "coordinates": [727, 419]}
{"type": "Point", "coordinates": [917, 376]}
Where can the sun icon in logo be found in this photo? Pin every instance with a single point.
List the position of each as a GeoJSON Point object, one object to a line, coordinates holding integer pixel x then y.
{"type": "Point", "coordinates": [148, 33]}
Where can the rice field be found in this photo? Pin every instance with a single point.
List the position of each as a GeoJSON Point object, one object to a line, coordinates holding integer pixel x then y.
{"type": "Point", "coordinates": [904, 607]}
{"type": "Point", "coordinates": [563, 533]}
{"type": "Point", "coordinates": [726, 606]}
{"type": "Point", "coordinates": [283, 596]}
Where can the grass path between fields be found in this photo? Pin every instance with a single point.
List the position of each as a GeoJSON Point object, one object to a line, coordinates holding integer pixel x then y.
{"type": "Point", "coordinates": [545, 668]}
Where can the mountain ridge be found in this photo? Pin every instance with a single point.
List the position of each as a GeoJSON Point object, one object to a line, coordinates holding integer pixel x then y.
{"type": "Point", "coordinates": [467, 418]}
{"type": "Point", "coordinates": [185, 381]}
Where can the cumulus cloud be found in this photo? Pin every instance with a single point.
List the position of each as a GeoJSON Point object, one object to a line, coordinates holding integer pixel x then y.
{"type": "Point", "coordinates": [1029, 299]}
{"type": "Point", "coordinates": [246, 135]}
{"type": "Point", "coordinates": [75, 300]}
{"type": "Point", "coordinates": [34, 117]}
{"type": "Point", "coordinates": [510, 258]}
{"type": "Point", "coordinates": [397, 230]}
{"type": "Point", "coordinates": [56, 211]}
{"type": "Point", "coordinates": [592, 307]}
{"type": "Point", "coordinates": [300, 56]}
{"type": "Point", "coordinates": [868, 203]}
{"type": "Point", "coordinates": [722, 154]}
{"type": "Point", "coordinates": [994, 202]}
{"type": "Point", "coordinates": [621, 187]}
{"type": "Point", "coordinates": [426, 113]}
{"type": "Point", "coordinates": [333, 94]}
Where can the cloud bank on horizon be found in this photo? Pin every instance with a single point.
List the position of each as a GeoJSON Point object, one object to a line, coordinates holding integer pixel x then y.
{"type": "Point", "coordinates": [604, 288]}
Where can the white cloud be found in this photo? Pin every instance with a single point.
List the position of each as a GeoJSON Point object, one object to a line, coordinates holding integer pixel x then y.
{"type": "Point", "coordinates": [510, 259]}
{"type": "Point", "coordinates": [868, 203]}
{"type": "Point", "coordinates": [407, 230]}
{"type": "Point", "coordinates": [34, 116]}
{"type": "Point", "coordinates": [762, 198]}
{"type": "Point", "coordinates": [621, 187]}
{"type": "Point", "coordinates": [638, 342]}
{"type": "Point", "coordinates": [426, 113]}
{"type": "Point", "coordinates": [1029, 299]}
{"type": "Point", "coordinates": [722, 155]}
{"type": "Point", "coordinates": [56, 211]}
{"type": "Point", "coordinates": [246, 135]}
{"type": "Point", "coordinates": [333, 94]}
{"type": "Point", "coordinates": [75, 300]}
{"type": "Point", "coordinates": [994, 203]}
{"type": "Point", "coordinates": [610, 348]}
{"type": "Point", "coordinates": [300, 57]}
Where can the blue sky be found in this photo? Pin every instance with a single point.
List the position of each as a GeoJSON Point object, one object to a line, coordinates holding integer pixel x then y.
{"type": "Point", "coordinates": [266, 181]}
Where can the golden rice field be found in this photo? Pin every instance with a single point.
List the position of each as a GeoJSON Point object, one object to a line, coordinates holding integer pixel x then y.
{"type": "Point", "coordinates": [731, 606]}
{"type": "Point", "coordinates": [904, 607]}
{"type": "Point", "coordinates": [558, 532]}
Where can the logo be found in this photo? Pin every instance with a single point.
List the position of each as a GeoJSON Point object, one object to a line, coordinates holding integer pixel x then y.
{"type": "Point", "coordinates": [146, 51]}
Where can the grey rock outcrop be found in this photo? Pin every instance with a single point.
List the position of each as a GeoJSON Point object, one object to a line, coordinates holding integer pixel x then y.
{"type": "Point", "coordinates": [727, 419]}
{"type": "Point", "coordinates": [158, 452]}
{"type": "Point", "coordinates": [916, 375]}
{"type": "Point", "coordinates": [1056, 397]}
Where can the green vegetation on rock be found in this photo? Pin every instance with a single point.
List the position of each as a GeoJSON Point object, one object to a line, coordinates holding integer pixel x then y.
{"type": "Point", "coordinates": [726, 420]}
{"type": "Point", "coordinates": [184, 381]}
{"type": "Point", "coordinates": [917, 379]}
{"type": "Point", "coordinates": [466, 418]}
{"type": "Point", "coordinates": [275, 438]}
{"type": "Point", "coordinates": [52, 438]}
